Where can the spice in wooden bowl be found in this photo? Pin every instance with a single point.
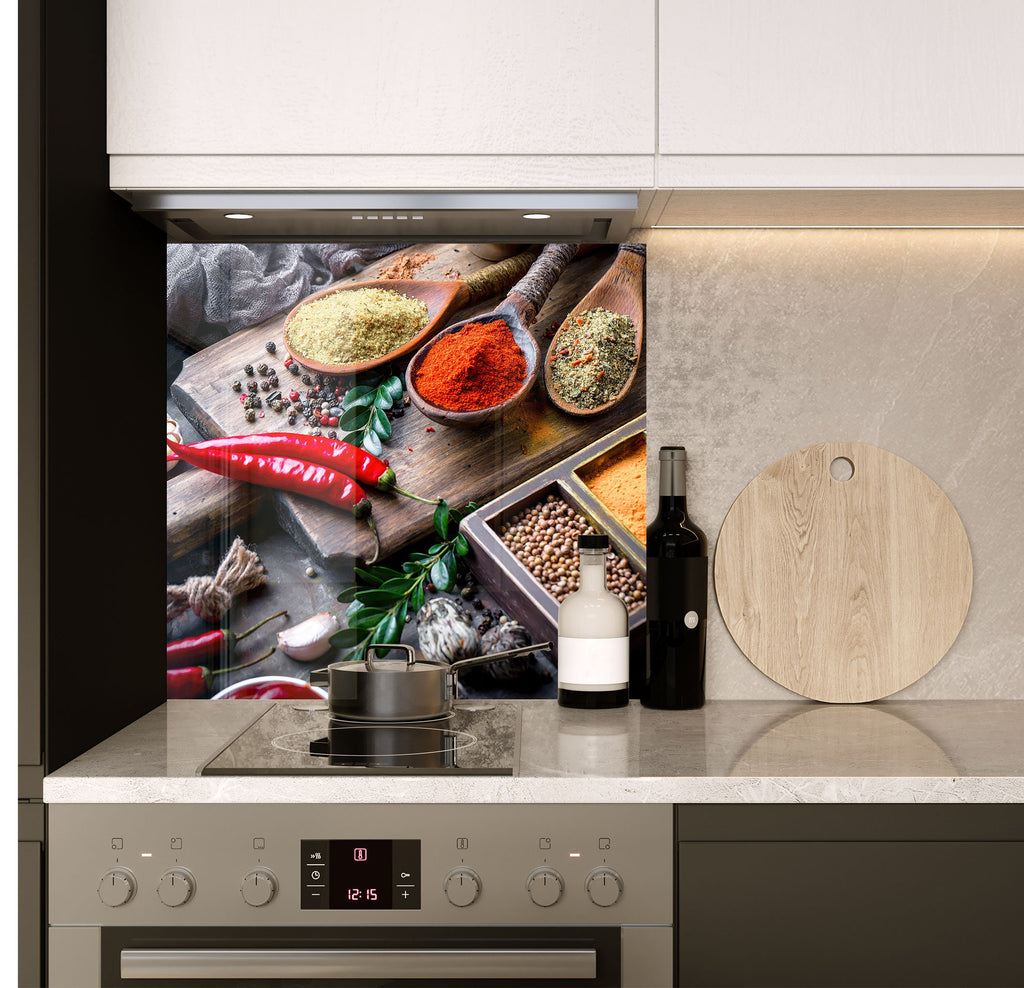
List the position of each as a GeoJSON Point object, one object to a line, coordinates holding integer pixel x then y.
{"type": "Point", "coordinates": [348, 327]}
{"type": "Point", "coordinates": [478, 367]}
{"type": "Point", "coordinates": [595, 358]}
{"type": "Point", "coordinates": [619, 481]}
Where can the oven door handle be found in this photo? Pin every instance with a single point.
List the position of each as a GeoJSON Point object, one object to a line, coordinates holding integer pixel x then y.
{"type": "Point", "coordinates": [447, 965]}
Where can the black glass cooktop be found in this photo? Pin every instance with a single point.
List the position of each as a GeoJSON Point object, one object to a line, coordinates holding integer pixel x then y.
{"type": "Point", "coordinates": [299, 738]}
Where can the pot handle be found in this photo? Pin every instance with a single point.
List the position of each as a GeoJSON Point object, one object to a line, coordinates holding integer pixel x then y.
{"type": "Point", "coordinates": [410, 657]}
{"type": "Point", "coordinates": [480, 660]}
{"type": "Point", "coordinates": [320, 677]}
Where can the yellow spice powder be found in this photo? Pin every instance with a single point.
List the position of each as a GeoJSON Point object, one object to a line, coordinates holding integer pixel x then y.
{"type": "Point", "coordinates": [621, 486]}
{"type": "Point", "coordinates": [348, 327]}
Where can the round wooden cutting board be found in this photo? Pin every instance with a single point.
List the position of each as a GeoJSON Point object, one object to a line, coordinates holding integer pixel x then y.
{"type": "Point", "coordinates": [843, 590]}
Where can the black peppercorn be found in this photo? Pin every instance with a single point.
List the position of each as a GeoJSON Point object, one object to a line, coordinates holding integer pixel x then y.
{"type": "Point", "coordinates": [262, 369]}
{"type": "Point", "coordinates": [306, 379]}
{"type": "Point", "coordinates": [291, 419]}
{"type": "Point", "coordinates": [332, 434]}
{"type": "Point", "coordinates": [236, 385]}
{"type": "Point", "coordinates": [274, 382]}
{"type": "Point", "coordinates": [248, 369]}
{"type": "Point", "coordinates": [265, 385]}
{"type": "Point", "coordinates": [271, 347]}
{"type": "Point", "coordinates": [294, 368]}
{"type": "Point", "coordinates": [251, 385]}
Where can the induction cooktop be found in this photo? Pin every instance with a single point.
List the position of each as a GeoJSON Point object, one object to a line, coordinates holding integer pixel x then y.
{"type": "Point", "coordinates": [300, 738]}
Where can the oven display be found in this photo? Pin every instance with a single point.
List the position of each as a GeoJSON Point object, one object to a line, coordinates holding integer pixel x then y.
{"type": "Point", "coordinates": [360, 874]}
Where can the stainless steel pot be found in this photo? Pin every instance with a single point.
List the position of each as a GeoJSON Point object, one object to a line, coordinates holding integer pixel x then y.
{"type": "Point", "coordinates": [396, 690]}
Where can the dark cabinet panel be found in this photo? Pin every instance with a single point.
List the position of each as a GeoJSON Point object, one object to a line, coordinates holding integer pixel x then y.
{"type": "Point", "coordinates": [822, 913]}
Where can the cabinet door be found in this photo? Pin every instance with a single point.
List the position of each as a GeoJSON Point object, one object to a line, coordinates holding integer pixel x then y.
{"type": "Point", "coordinates": [803, 77]}
{"type": "Point", "coordinates": [850, 913]}
{"type": "Point", "coordinates": [319, 77]}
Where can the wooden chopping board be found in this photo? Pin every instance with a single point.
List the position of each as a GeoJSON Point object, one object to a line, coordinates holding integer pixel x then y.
{"type": "Point", "coordinates": [843, 590]}
{"type": "Point", "coordinates": [459, 465]}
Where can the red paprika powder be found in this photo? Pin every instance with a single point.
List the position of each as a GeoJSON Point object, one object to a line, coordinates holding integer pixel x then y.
{"type": "Point", "coordinates": [478, 367]}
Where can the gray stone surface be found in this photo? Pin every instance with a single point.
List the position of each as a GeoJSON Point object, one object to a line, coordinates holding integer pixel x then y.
{"type": "Point", "coordinates": [731, 751]}
{"type": "Point", "coordinates": [762, 342]}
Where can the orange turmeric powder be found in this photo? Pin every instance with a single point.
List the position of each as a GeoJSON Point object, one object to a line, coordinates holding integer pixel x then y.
{"type": "Point", "coordinates": [621, 485]}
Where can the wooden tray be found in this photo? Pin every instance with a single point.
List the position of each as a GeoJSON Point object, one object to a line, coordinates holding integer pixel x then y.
{"type": "Point", "coordinates": [510, 583]}
{"type": "Point", "coordinates": [459, 465]}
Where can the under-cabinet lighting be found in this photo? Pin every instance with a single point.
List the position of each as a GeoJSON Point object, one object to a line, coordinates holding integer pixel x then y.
{"type": "Point", "coordinates": [574, 854]}
{"type": "Point", "coordinates": [835, 226]}
{"type": "Point", "coordinates": [238, 216]}
{"type": "Point", "coordinates": [536, 216]}
{"type": "Point", "coordinates": [146, 854]}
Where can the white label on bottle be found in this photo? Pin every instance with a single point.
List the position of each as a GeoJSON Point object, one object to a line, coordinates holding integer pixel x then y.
{"type": "Point", "coordinates": [591, 664]}
{"type": "Point", "coordinates": [691, 619]}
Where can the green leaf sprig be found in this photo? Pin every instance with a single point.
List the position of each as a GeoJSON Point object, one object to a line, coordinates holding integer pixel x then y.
{"type": "Point", "coordinates": [364, 413]}
{"type": "Point", "coordinates": [377, 609]}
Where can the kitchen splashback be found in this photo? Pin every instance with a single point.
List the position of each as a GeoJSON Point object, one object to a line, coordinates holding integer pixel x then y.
{"type": "Point", "coordinates": [767, 341]}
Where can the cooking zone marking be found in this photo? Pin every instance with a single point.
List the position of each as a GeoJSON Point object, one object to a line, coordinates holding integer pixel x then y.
{"type": "Point", "coordinates": [299, 742]}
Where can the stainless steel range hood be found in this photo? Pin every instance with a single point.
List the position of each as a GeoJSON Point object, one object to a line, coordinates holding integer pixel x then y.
{"type": "Point", "coordinates": [531, 217]}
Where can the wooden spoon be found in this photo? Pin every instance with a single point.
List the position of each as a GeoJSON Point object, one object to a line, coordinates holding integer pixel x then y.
{"type": "Point", "coordinates": [621, 290]}
{"type": "Point", "coordinates": [442, 298]}
{"type": "Point", "coordinates": [519, 310]}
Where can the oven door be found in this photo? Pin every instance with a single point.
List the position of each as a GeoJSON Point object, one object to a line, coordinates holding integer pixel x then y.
{"type": "Point", "coordinates": [401, 956]}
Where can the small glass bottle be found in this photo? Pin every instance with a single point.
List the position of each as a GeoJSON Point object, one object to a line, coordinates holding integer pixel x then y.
{"type": "Point", "coordinates": [593, 636]}
{"type": "Point", "coordinates": [677, 595]}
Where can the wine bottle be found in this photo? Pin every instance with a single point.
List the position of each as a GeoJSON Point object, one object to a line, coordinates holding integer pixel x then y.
{"type": "Point", "coordinates": [593, 636]}
{"type": "Point", "coordinates": [677, 595]}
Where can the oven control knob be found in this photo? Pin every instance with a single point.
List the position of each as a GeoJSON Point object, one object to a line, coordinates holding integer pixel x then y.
{"type": "Point", "coordinates": [176, 887]}
{"type": "Point", "coordinates": [545, 886]}
{"type": "Point", "coordinates": [117, 887]}
{"type": "Point", "coordinates": [604, 887]}
{"type": "Point", "coordinates": [259, 886]}
{"type": "Point", "coordinates": [462, 886]}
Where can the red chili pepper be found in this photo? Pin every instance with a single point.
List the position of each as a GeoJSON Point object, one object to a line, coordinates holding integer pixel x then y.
{"type": "Point", "coordinates": [210, 645]}
{"type": "Point", "coordinates": [342, 456]}
{"type": "Point", "coordinates": [287, 474]}
{"type": "Point", "coordinates": [195, 682]}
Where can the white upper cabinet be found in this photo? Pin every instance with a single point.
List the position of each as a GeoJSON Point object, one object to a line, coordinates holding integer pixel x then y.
{"type": "Point", "coordinates": [829, 77]}
{"type": "Point", "coordinates": [328, 77]}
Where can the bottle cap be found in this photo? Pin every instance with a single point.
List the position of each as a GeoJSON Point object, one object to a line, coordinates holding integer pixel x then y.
{"type": "Point", "coordinates": [672, 453]}
{"type": "Point", "coordinates": [593, 542]}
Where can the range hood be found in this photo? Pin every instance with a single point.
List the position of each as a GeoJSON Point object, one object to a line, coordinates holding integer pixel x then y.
{"type": "Point", "coordinates": [262, 216]}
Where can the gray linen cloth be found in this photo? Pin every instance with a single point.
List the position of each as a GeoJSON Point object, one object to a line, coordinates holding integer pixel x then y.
{"type": "Point", "coordinates": [217, 289]}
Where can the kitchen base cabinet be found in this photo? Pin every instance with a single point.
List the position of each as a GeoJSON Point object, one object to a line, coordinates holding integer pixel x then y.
{"type": "Point", "coordinates": [850, 896]}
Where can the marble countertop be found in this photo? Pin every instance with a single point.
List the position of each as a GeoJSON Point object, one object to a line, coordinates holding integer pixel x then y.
{"type": "Point", "coordinates": [967, 751]}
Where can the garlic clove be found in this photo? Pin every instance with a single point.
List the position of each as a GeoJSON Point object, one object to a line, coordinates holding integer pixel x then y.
{"type": "Point", "coordinates": [310, 639]}
{"type": "Point", "coordinates": [174, 434]}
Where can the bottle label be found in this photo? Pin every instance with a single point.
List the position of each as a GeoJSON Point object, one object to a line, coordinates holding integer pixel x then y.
{"type": "Point", "coordinates": [591, 664]}
{"type": "Point", "coordinates": [677, 589]}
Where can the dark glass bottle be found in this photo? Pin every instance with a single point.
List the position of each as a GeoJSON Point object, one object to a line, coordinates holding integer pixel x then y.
{"type": "Point", "coordinates": [677, 595]}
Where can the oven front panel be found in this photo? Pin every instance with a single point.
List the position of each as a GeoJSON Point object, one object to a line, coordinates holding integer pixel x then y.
{"type": "Point", "coordinates": [240, 865]}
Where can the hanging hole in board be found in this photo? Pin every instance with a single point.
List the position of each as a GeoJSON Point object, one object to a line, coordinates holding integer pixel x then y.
{"type": "Point", "coordinates": [841, 468]}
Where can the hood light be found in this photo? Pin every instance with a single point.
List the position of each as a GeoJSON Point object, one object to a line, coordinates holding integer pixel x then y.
{"type": "Point", "coordinates": [536, 216]}
{"type": "Point", "coordinates": [238, 216]}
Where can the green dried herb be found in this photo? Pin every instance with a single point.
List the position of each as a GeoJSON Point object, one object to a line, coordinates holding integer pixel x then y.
{"type": "Point", "coordinates": [595, 355]}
